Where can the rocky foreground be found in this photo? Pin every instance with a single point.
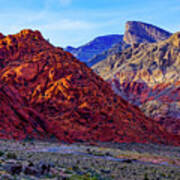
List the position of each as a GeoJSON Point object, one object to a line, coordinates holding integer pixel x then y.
{"type": "Point", "coordinates": [43, 160]}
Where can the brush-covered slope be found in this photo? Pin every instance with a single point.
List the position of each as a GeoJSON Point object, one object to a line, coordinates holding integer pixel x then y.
{"type": "Point", "coordinates": [97, 46]}
{"type": "Point", "coordinates": [135, 33]}
{"type": "Point", "coordinates": [148, 75]}
{"type": "Point", "coordinates": [45, 92]}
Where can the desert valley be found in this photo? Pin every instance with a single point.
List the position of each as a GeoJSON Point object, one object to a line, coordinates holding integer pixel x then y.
{"type": "Point", "coordinates": [89, 90]}
{"type": "Point", "coordinates": [109, 109]}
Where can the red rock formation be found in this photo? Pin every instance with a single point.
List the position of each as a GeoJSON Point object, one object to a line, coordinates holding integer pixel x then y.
{"type": "Point", "coordinates": [45, 92]}
{"type": "Point", "coordinates": [19, 121]}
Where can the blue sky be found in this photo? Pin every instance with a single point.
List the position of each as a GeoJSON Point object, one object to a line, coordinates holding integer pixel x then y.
{"type": "Point", "coordinates": [75, 22]}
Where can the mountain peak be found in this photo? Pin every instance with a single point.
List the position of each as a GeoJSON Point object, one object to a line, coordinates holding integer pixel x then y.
{"type": "Point", "coordinates": [140, 32]}
{"type": "Point", "coordinates": [21, 45]}
{"type": "Point", "coordinates": [31, 34]}
{"type": "Point", "coordinates": [1, 36]}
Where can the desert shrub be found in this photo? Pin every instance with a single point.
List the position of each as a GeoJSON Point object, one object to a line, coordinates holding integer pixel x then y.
{"type": "Point", "coordinates": [146, 176]}
{"type": "Point", "coordinates": [83, 177]}
{"type": "Point", "coordinates": [1, 153]}
{"type": "Point", "coordinates": [10, 155]}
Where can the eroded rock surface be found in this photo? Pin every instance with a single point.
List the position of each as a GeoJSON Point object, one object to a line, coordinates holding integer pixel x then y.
{"type": "Point", "coordinates": [148, 75]}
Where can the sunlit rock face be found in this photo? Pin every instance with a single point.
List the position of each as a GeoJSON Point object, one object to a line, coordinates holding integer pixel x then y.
{"type": "Point", "coordinates": [46, 93]}
{"type": "Point", "coordinates": [148, 75]}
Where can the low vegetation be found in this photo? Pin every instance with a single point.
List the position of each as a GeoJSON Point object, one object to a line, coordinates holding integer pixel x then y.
{"type": "Point", "coordinates": [45, 161]}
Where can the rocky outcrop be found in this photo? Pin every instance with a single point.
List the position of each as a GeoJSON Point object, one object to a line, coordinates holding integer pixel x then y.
{"type": "Point", "coordinates": [46, 93]}
{"type": "Point", "coordinates": [147, 75]}
{"type": "Point", "coordinates": [139, 32]}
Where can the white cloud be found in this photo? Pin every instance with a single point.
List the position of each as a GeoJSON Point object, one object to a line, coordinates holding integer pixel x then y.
{"type": "Point", "coordinates": [68, 24]}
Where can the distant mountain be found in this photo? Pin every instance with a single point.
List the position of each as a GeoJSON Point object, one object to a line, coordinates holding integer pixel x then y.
{"type": "Point", "coordinates": [135, 33]}
{"type": "Point", "coordinates": [113, 50]}
{"type": "Point", "coordinates": [148, 75]}
{"type": "Point", "coordinates": [46, 93]}
{"type": "Point", "coordinates": [85, 52]}
{"type": "Point", "coordinates": [139, 32]}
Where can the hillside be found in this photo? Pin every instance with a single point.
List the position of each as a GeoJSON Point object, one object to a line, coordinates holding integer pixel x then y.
{"type": "Point", "coordinates": [47, 93]}
{"type": "Point", "coordinates": [148, 75]}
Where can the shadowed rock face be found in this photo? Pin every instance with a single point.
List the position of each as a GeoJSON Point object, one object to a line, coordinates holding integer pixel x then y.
{"type": "Point", "coordinates": [45, 92]}
{"type": "Point", "coordinates": [148, 76]}
{"type": "Point", "coordinates": [139, 32]}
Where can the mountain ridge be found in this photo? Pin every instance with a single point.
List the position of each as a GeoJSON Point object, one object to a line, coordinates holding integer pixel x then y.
{"type": "Point", "coordinates": [96, 46]}
{"type": "Point", "coordinates": [136, 32]}
{"type": "Point", "coordinates": [148, 76]}
{"type": "Point", "coordinates": [46, 92]}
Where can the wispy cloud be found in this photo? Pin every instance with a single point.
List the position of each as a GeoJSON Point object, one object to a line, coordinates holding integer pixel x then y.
{"type": "Point", "coordinates": [64, 22]}
{"type": "Point", "coordinates": [69, 24]}
{"type": "Point", "coordinates": [60, 30]}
